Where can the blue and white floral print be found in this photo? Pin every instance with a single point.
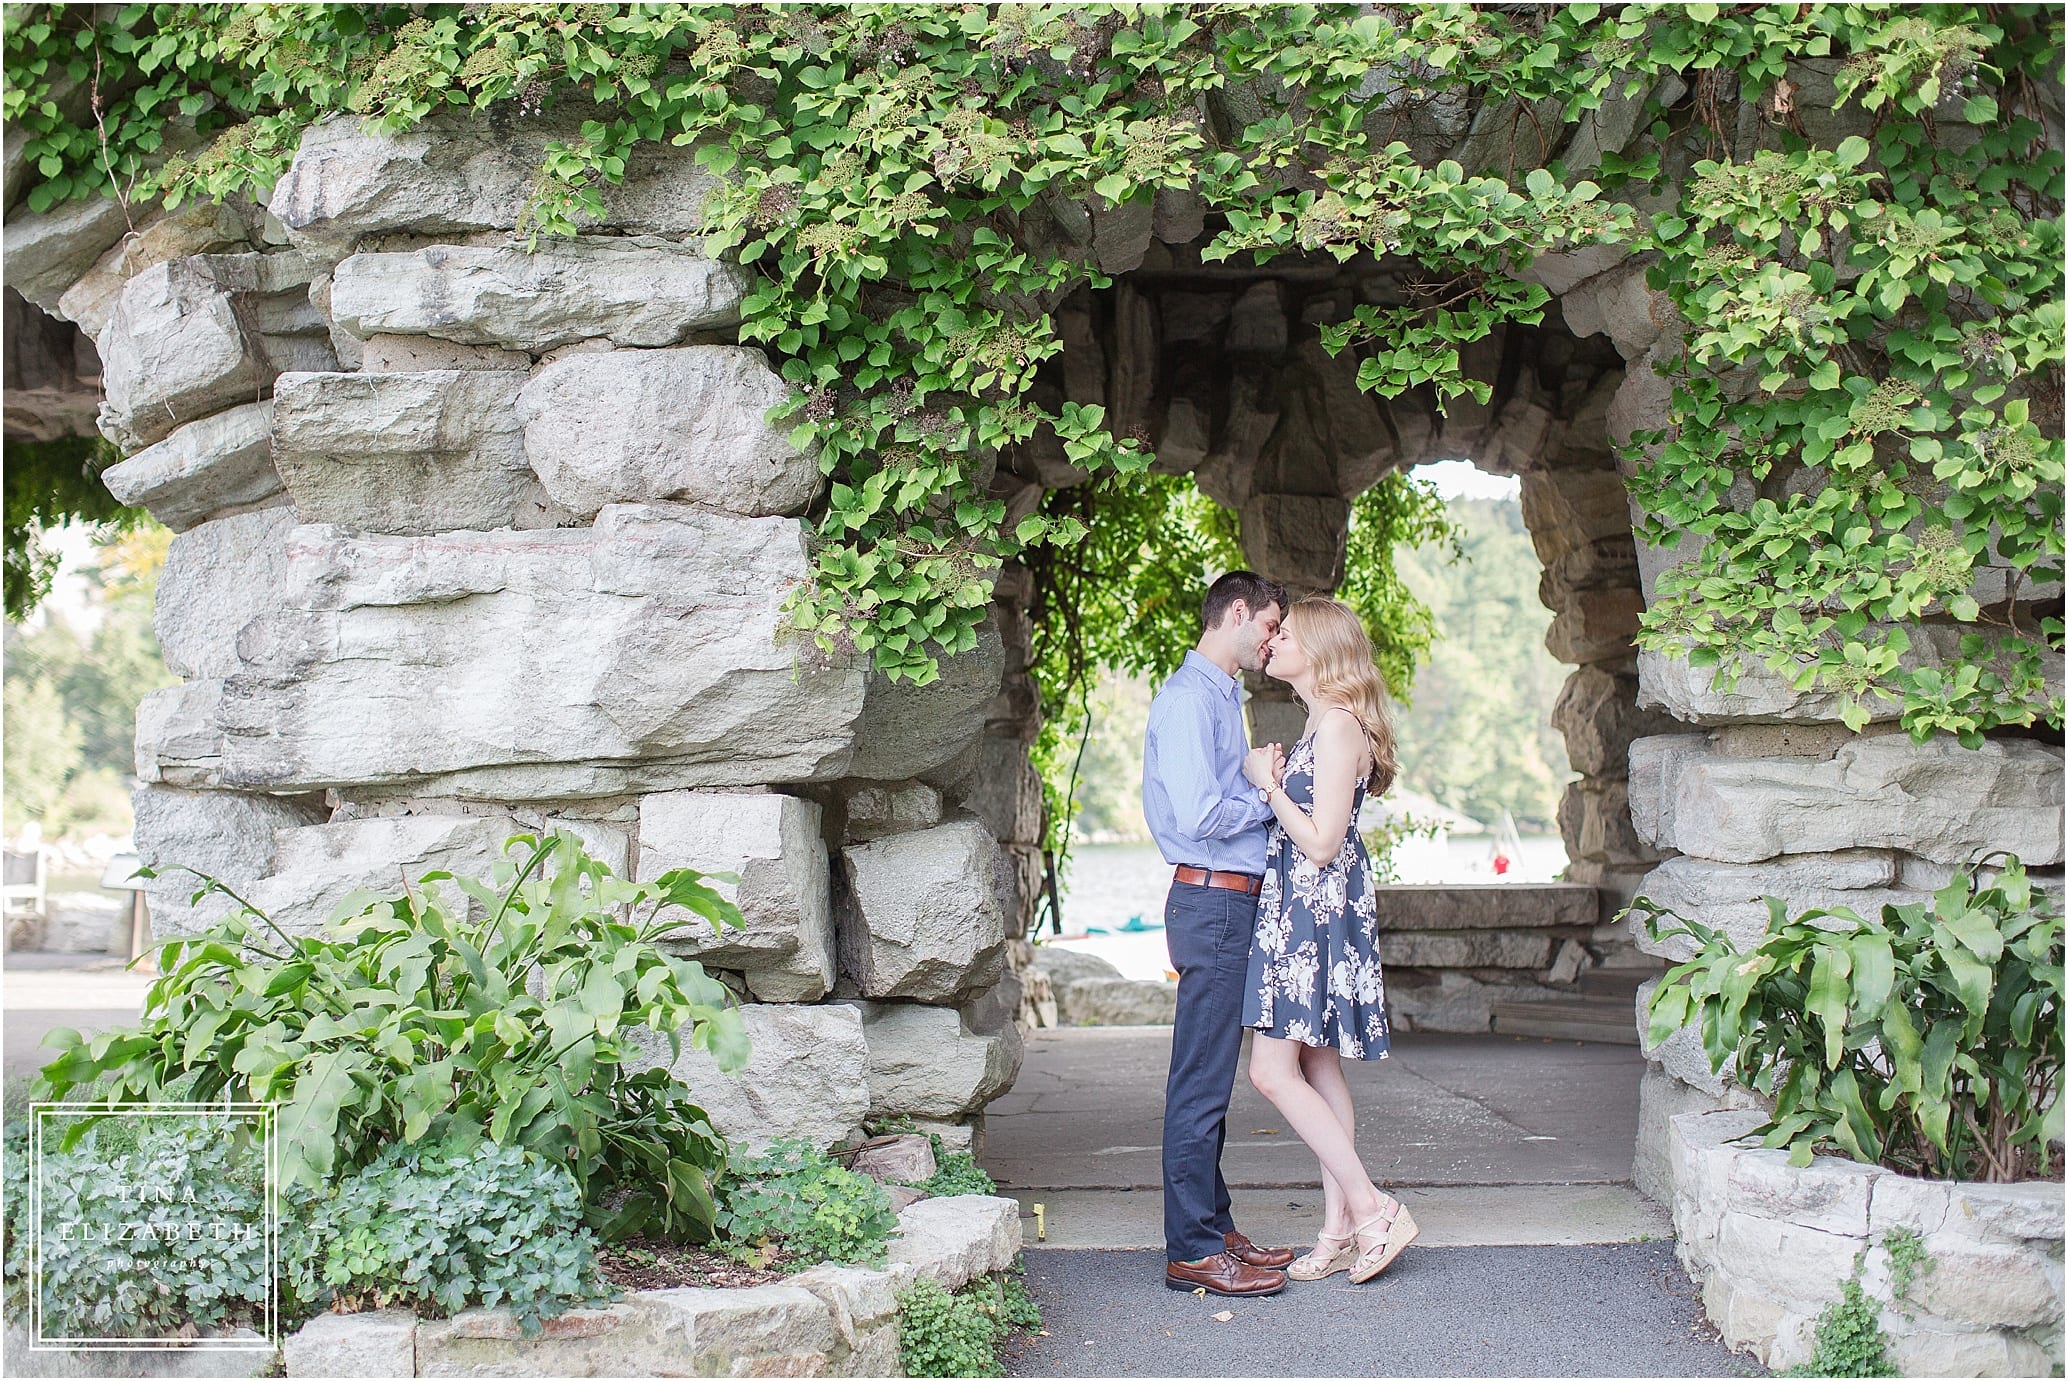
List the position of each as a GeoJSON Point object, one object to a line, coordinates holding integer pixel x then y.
{"type": "Point", "coordinates": [1314, 973]}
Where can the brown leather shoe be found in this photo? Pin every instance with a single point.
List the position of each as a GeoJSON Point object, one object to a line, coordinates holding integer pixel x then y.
{"type": "Point", "coordinates": [1248, 1252]}
{"type": "Point", "coordinates": [1222, 1274]}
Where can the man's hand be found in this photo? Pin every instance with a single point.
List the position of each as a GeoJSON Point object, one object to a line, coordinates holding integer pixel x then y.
{"type": "Point", "coordinates": [1263, 765]}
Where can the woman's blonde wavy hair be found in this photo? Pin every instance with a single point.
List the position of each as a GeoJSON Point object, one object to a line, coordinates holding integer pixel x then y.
{"type": "Point", "coordinates": [1333, 637]}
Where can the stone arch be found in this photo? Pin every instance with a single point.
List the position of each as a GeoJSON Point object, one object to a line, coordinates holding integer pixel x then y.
{"type": "Point", "coordinates": [1219, 369]}
{"type": "Point", "coordinates": [411, 615]}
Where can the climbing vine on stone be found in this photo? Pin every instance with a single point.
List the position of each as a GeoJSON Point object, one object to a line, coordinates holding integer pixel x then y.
{"type": "Point", "coordinates": [1866, 414]}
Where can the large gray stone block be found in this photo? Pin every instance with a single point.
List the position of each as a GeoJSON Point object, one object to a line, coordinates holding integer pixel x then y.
{"type": "Point", "coordinates": [620, 1339]}
{"type": "Point", "coordinates": [1569, 509]}
{"type": "Point", "coordinates": [1935, 799]}
{"type": "Point", "coordinates": [875, 809]}
{"type": "Point", "coordinates": [680, 424]}
{"type": "Point", "coordinates": [377, 1343]}
{"type": "Point", "coordinates": [317, 867]}
{"type": "Point", "coordinates": [227, 835]}
{"type": "Point", "coordinates": [1655, 763]}
{"type": "Point", "coordinates": [179, 735]}
{"type": "Point", "coordinates": [923, 918]}
{"type": "Point", "coordinates": [1597, 712]}
{"type": "Point", "coordinates": [85, 923]}
{"type": "Point", "coordinates": [925, 1061]}
{"type": "Point", "coordinates": [639, 654]}
{"type": "Point", "coordinates": [1660, 1098]}
{"type": "Point", "coordinates": [1469, 949]}
{"type": "Point", "coordinates": [1452, 1000]}
{"type": "Point", "coordinates": [217, 578]}
{"type": "Point", "coordinates": [1488, 906]}
{"type": "Point", "coordinates": [1006, 791]}
{"type": "Point", "coordinates": [48, 251]}
{"type": "Point", "coordinates": [639, 291]}
{"type": "Point", "coordinates": [1116, 1002]}
{"type": "Point", "coordinates": [224, 461]}
{"type": "Point", "coordinates": [762, 1330]}
{"type": "Point", "coordinates": [1730, 896]}
{"type": "Point", "coordinates": [461, 172]}
{"type": "Point", "coordinates": [406, 453]}
{"type": "Point", "coordinates": [1594, 818]}
{"type": "Point", "coordinates": [951, 1241]}
{"type": "Point", "coordinates": [1071, 966]}
{"type": "Point", "coordinates": [808, 1076]}
{"type": "Point", "coordinates": [1622, 306]}
{"type": "Point", "coordinates": [197, 227]}
{"type": "Point", "coordinates": [908, 730]}
{"type": "Point", "coordinates": [771, 842]}
{"type": "Point", "coordinates": [1595, 625]}
{"type": "Point", "coordinates": [1692, 694]}
{"type": "Point", "coordinates": [175, 350]}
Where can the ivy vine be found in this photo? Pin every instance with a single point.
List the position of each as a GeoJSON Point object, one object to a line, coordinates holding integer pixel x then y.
{"type": "Point", "coordinates": [1865, 414]}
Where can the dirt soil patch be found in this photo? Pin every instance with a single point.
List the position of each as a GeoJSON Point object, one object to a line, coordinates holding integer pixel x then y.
{"type": "Point", "coordinates": [639, 1263]}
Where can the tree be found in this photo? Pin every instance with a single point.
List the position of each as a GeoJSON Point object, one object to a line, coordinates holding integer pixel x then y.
{"type": "Point", "coordinates": [1478, 737]}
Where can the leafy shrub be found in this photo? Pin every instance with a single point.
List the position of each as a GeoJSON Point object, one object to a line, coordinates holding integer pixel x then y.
{"type": "Point", "coordinates": [957, 1172]}
{"type": "Point", "coordinates": [448, 1225]}
{"type": "Point", "coordinates": [409, 1018]}
{"type": "Point", "coordinates": [152, 1281]}
{"type": "Point", "coordinates": [795, 1195]}
{"type": "Point", "coordinates": [1928, 1040]}
{"type": "Point", "coordinates": [940, 1334]}
{"type": "Point", "coordinates": [1849, 1340]}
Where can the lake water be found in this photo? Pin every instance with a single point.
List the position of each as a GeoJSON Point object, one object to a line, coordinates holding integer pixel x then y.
{"type": "Point", "coordinates": [1110, 887]}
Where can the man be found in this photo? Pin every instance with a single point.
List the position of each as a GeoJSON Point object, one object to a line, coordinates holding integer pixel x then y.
{"type": "Point", "coordinates": [1212, 825]}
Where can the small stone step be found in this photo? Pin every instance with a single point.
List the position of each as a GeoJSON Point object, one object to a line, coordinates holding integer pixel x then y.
{"type": "Point", "coordinates": [1609, 1020]}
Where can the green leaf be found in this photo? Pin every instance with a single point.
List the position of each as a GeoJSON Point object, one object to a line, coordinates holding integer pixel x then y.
{"type": "Point", "coordinates": [1853, 151]}
{"type": "Point", "coordinates": [308, 1124]}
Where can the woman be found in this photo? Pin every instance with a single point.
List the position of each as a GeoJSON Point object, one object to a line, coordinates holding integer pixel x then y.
{"type": "Point", "coordinates": [1315, 991]}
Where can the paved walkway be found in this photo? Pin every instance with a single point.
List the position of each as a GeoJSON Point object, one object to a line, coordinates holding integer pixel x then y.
{"type": "Point", "coordinates": [1537, 1256]}
{"type": "Point", "coordinates": [1440, 1311]}
{"type": "Point", "coordinates": [1493, 1140]}
{"type": "Point", "coordinates": [38, 992]}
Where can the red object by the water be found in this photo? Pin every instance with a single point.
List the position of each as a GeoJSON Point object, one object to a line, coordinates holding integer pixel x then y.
{"type": "Point", "coordinates": [1500, 864]}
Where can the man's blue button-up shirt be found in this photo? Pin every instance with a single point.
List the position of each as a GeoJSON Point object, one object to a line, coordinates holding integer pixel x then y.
{"type": "Point", "coordinates": [1200, 809]}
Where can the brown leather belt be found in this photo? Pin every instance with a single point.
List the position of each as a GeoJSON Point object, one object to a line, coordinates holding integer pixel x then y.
{"type": "Point", "coordinates": [1233, 882]}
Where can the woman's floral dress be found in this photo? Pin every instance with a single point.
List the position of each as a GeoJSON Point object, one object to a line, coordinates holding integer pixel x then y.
{"type": "Point", "coordinates": [1314, 964]}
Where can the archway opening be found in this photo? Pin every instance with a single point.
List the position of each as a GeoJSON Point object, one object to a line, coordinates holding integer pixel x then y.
{"type": "Point", "coordinates": [1222, 371]}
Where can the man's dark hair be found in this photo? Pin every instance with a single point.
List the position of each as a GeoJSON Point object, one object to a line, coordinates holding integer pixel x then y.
{"type": "Point", "coordinates": [1247, 586]}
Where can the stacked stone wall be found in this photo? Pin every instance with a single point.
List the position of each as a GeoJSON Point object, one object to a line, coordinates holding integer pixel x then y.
{"type": "Point", "coordinates": [474, 539]}
{"type": "Point", "coordinates": [1736, 793]}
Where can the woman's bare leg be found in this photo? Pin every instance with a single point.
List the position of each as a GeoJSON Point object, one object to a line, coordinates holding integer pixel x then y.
{"type": "Point", "coordinates": [1322, 1067]}
{"type": "Point", "coordinates": [1274, 1068]}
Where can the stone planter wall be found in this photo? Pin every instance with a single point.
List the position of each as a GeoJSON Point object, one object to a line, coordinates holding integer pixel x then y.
{"type": "Point", "coordinates": [1771, 1245]}
{"type": "Point", "coordinates": [828, 1321]}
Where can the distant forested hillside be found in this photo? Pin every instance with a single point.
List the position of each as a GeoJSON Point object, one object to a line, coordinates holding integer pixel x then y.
{"type": "Point", "coordinates": [1478, 734]}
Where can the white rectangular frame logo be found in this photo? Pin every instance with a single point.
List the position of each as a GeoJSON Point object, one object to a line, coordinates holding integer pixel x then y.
{"type": "Point", "coordinates": [267, 1117]}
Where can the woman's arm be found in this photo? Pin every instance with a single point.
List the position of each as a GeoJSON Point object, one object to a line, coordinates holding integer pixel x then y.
{"type": "Point", "coordinates": [1338, 753]}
